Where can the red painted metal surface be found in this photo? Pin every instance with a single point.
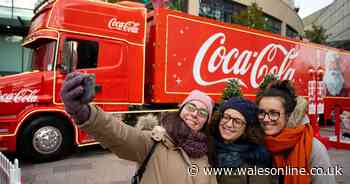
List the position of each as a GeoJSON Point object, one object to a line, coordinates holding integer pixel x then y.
{"type": "Point", "coordinates": [341, 137]}
{"type": "Point", "coordinates": [196, 53]}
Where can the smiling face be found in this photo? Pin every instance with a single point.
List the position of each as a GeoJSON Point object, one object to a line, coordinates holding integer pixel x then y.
{"type": "Point", "coordinates": [272, 115]}
{"type": "Point", "coordinates": [194, 113]}
{"type": "Point", "coordinates": [232, 125]}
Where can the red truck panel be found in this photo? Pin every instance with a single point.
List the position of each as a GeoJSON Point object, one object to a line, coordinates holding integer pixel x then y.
{"type": "Point", "coordinates": [110, 20]}
{"type": "Point", "coordinates": [197, 53]}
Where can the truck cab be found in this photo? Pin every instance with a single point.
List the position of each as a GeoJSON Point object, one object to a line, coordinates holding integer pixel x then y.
{"type": "Point", "coordinates": [68, 36]}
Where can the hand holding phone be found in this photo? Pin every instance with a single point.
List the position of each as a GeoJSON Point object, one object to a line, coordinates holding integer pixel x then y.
{"type": "Point", "coordinates": [88, 83]}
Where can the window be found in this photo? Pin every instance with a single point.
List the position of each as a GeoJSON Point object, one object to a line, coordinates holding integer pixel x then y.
{"type": "Point", "coordinates": [181, 5]}
{"type": "Point", "coordinates": [291, 33]}
{"type": "Point", "coordinates": [42, 56]}
{"type": "Point", "coordinates": [220, 9]}
{"type": "Point", "coordinates": [274, 25]}
{"type": "Point", "coordinates": [213, 10]}
{"type": "Point", "coordinates": [28, 4]}
{"type": "Point", "coordinates": [14, 58]}
{"type": "Point", "coordinates": [86, 52]}
{"type": "Point", "coordinates": [7, 3]}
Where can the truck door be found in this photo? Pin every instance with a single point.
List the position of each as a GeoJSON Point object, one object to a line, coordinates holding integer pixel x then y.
{"type": "Point", "coordinates": [106, 59]}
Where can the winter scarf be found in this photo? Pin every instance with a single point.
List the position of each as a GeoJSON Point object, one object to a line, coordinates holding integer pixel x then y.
{"type": "Point", "coordinates": [234, 155]}
{"type": "Point", "coordinates": [195, 144]}
{"type": "Point", "coordinates": [297, 142]}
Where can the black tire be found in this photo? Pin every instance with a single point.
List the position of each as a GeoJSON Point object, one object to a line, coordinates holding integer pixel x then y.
{"type": "Point", "coordinates": [53, 139]}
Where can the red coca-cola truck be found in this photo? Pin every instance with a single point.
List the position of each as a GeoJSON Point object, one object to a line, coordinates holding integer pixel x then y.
{"type": "Point", "coordinates": [146, 61]}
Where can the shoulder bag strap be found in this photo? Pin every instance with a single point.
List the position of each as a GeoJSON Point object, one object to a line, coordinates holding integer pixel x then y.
{"type": "Point", "coordinates": [136, 179]}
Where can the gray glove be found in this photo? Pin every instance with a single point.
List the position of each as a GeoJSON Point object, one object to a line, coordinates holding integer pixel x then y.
{"type": "Point", "coordinates": [77, 92]}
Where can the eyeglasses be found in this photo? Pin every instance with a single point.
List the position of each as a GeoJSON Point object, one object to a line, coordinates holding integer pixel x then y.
{"type": "Point", "coordinates": [203, 113]}
{"type": "Point", "coordinates": [238, 123]}
{"type": "Point", "coordinates": [273, 115]}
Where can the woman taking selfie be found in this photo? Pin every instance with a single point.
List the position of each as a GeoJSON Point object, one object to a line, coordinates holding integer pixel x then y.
{"type": "Point", "coordinates": [170, 149]}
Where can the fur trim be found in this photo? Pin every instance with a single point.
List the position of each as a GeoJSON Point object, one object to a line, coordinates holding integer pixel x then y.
{"type": "Point", "coordinates": [147, 122]}
{"type": "Point", "coordinates": [158, 133]}
{"type": "Point", "coordinates": [298, 114]}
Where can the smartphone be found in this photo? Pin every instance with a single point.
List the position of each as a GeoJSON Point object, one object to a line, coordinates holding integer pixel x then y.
{"type": "Point", "coordinates": [89, 84]}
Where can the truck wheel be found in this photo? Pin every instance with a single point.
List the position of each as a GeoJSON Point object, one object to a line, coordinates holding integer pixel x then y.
{"type": "Point", "coordinates": [45, 139]}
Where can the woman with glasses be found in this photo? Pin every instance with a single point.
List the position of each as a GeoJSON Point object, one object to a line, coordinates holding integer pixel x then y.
{"type": "Point", "coordinates": [237, 143]}
{"type": "Point", "coordinates": [291, 141]}
{"type": "Point", "coordinates": [180, 142]}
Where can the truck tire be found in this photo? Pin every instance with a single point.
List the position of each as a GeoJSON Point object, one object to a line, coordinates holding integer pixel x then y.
{"type": "Point", "coordinates": [46, 138]}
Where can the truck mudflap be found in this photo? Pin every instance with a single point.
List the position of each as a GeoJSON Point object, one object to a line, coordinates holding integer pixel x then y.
{"type": "Point", "coordinates": [7, 143]}
{"type": "Point", "coordinates": [7, 133]}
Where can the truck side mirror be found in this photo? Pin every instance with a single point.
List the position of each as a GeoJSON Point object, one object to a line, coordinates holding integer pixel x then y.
{"type": "Point", "coordinates": [69, 56]}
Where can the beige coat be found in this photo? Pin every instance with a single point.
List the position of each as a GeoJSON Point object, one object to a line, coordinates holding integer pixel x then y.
{"type": "Point", "coordinates": [168, 165]}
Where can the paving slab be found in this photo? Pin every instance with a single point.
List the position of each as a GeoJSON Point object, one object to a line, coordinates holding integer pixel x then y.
{"type": "Point", "coordinates": [95, 165]}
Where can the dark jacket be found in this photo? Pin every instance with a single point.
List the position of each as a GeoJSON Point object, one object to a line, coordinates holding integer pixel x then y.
{"type": "Point", "coordinates": [254, 157]}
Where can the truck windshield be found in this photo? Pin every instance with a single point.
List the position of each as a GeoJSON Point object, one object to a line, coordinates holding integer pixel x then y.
{"type": "Point", "coordinates": [42, 56]}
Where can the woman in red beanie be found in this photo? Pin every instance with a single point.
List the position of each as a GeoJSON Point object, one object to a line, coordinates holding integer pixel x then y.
{"type": "Point", "coordinates": [180, 142]}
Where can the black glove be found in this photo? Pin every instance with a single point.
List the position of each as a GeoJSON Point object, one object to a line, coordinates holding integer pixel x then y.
{"type": "Point", "coordinates": [77, 92]}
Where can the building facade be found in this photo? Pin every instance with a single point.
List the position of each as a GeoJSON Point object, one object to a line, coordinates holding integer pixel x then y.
{"type": "Point", "coordinates": [15, 16]}
{"type": "Point", "coordinates": [281, 15]}
{"type": "Point", "coordinates": [335, 18]}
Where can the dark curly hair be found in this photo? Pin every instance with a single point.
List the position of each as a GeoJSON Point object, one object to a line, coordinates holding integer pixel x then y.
{"type": "Point", "coordinates": [283, 89]}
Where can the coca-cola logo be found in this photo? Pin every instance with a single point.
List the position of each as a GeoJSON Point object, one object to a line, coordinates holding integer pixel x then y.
{"type": "Point", "coordinates": [22, 96]}
{"type": "Point", "coordinates": [236, 63]}
{"type": "Point", "coordinates": [129, 26]}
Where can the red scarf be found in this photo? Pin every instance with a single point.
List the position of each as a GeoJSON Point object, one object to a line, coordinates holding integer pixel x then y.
{"type": "Point", "coordinates": [298, 142]}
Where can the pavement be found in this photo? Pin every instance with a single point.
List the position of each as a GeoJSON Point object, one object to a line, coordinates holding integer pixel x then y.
{"type": "Point", "coordinates": [94, 165]}
{"type": "Point", "coordinates": [90, 165]}
{"type": "Point", "coordinates": [341, 158]}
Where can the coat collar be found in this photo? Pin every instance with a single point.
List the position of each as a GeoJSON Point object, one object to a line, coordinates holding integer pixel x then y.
{"type": "Point", "coordinates": [159, 135]}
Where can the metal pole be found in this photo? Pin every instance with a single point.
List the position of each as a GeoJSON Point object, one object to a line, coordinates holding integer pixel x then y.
{"type": "Point", "coordinates": [317, 129]}
{"type": "Point", "coordinates": [316, 96]}
{"type": "Point", "coordinates": [337, 122]}
{"type": "Point", "coordinates": [12, 9]}
{"type": "Point", "coordinates": [22, 49]}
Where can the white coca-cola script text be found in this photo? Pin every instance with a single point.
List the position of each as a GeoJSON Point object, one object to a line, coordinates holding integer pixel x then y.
{"type": "Point", "coordinates": [236, 63]}
{"type": "Point", "coordinates": [129, 26]}
{"type": "Point", "coordinates": [22, 96]}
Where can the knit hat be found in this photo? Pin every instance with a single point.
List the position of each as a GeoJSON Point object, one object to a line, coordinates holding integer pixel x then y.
{"type": "Point", "coordinates": [247, 108]}
{"type": "Point", "coordinates": [202, 97]}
